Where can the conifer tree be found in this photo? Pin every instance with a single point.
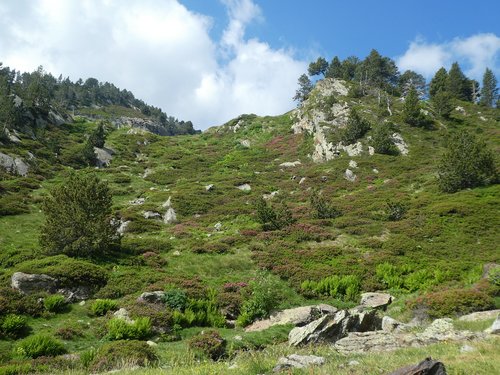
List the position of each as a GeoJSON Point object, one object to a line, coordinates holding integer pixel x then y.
{"type": "Point", "coordinates": [489, 90]}
{"type": "Point", "coordinates": [442, 103]}
{"type": "Point", "coordinates": [305, 88]}
{"type": "Point", "coordinates": [411, 109]}
{"type": "Point", "coordinates": [320, 66]}
{"type": "Point", "coordinates": [458, 85]}
{"type": "Point", "coordinates": [334, 69]}
{"type": "Point", "coordinates": [439, 82]}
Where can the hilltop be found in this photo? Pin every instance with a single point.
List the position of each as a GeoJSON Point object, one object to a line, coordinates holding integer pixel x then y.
{"type": "Point", "coordinates": [258, 214]}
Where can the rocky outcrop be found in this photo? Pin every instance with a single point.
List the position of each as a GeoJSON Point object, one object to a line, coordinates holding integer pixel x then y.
{"type": "Point", "coordinates": [426, 367]}
{"type": "Point", "coordinates": [170, 216]}
{"type": "Point", "coordinates": [349, 175]}
{"type": "Point", "coordinates": [298, 316]}
{"type": "Point", "coordinates": [151, 215]}
{"type": "Point", "coordinates": [152, 297]}
{"type": "Point", "coordinates": [33, 283]}
{"type": "Point", "coordinates": [333, 327]}
{"type": "Point", "coordinates": [104, 156]}
{"type": "Point", "coordinates": [124, 315]}
{"type": "Point", "coordinates": [495, 327]}
{"type": "Point", "coordinates": [400, 144]}
{"type": "Point", "coordinates": [14, 165]}
{"type": "Point", "coordinates": [141, 124]}
{"type": "Point", "coordinates": [376, 300]}
{"type": "Point", "coordinates": [298, 361]}
{"type": "Point", "coordinates": [390, 325]}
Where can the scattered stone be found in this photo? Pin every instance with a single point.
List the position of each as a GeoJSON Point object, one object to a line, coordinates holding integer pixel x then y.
{"type": "Point", "coordinates": [209, 187]}
{"type": "Point", "coordinates": [104, 156]}
{"type": "Point", "coordinates": [376, 300]}
{"type": "Point", "coordinates": [467, 349]}
{"type": "Point", "coordinates": [371, 151]}
{"type": "Point", "coordinates": [218, 226]}
{"type": "Point", "coordinates": [353, 363]}
{"type": "Point", "coordinates": [151, 343]}
{"type": "Point", "coordinates": [349, 175]}
{"type": "Point", "coordinates": [176, 253]}
{"type": "Point", "coordinates": [244, 187]}
{"type": "Point", "coordinates": [151, 215]}
{"type": "Point", "coordinates": [480, 315]}
{"type": "Point", "coordinates": [354, 149]}
{"type": "Point", "coordinates": [293, 178]}
{"type": "Point", "coordinates": [426, 367]}
{"type": "Point", "coordinates": [82, 303]}
{"type": "Point", "coordinates": [238, 338]}
{"type": "Point", "coordinates": [324, 178]}
{"type": "Point", "coordinates": [152, 297]}
{"type": "Point", "coordinates": [298, 361]}
{"type": "Point", "coordinates": [400, 143]}
{"type": "Point", "coordinates": [482, 118]}
{"type": "Point", "coordinates": [375, 170]}
{"type": "Point", "coordinates": [353, 164]}
{"type": "Point", "coordinates": [122, 228]}
{"type": "Point", "coordinates": [123, 314]}
{"type": "Point", "coordinates": [13, 165]}
{"type": "Point", "coordinates": [298, 316]}
{"type": "Point", "coordinates": [12, 137]}
{"type": "Point", "coordinates": [495, 327]}
{"type": "Point", "coordinates": [245, 143]}
{"type": "Point", "coordinates": [147, 172]}
{"type": "Point", "coordinates": [170, 216]}
{"type": "Point", "coordinates": [33, 283]}
{"type": "Point", "coordinates": [290, 164]}
{"type": "Point", "coordinates": [167, 203]}
{"type": "Point", "coordinates": [390, 325]}
{"type": "Point", "coordinates": [137, 201]}
{"type": "Point", "coordinates": [270, 195]}
{"type": "Point", "coordinates": [460, 110]}
{"type": "Point", "coordinates": [302, 180]}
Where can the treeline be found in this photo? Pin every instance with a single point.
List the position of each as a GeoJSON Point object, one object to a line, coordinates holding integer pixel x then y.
{"type": "Point", "coordinates": [378, 73]}
{"type": "Point", "coordinates": [39, 91]}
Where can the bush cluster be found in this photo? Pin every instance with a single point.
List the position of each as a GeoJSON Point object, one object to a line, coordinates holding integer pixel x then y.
{"type": "Point", "coordinates": [119, 329]}
{"type": "Point", "coordinates": [273, 218]}
{"type": "Point", "coordinates": [405, 278]}
{"type": "Point", "coordinates": [101, 307]}
{"type": "Point", "coordinates": [342, 287]}
{"type": "Point", "coordinates": [13, 326]}
{"type": "Point", "coordinates": [55, 303]}
{"type": "Point", "coordinates": [208, 344]}
{"type": "Point", "coordinates": [118, 354]}
{"type": "Point", "coordinates": [39, 345]}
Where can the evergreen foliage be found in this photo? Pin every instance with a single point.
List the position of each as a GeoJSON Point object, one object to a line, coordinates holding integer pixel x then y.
{"type": "Point", "coordinates": [321, 208]}
{"type": "Point", "coordinates": [439, 82]}
{"type": "Point", "coordinates": [382, 140]}
{"type": "Point", "coordinates": [273, 218]}
{"type": "Point", "coordinates": [335, 69]}
{"type": "Point", "coordinates": [78, 218]}
{"type": "Point", "coordinates": [411, 109]}
{"type": "Point", "coordinates": [410, 79]}
{"type": "Point", "coordinates": [442, 103]}
{"type": "Point", "coordinates": [467, 163]}
{"type": "Point", "coordinates": [458, 85]}
{"type": "Point", "coordinates": [489, 91]}
{"type": "Point", "coordinates": [355, 129]}
{"type": "Point", "coordinates": [319, 67]}
{"type": "Point", "coordinates": [305, 88]}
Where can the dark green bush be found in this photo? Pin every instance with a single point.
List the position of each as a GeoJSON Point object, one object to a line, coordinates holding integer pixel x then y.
{"type": "Point", "coordinates": [39, 345]}
{"type": "Point", "coordinates": [273, 218]}
{"type": "Point", "coordinates": [382, 140]}
{"type": "Point", "coordinates": [209, 344]}
{"type": "Point", "coordinates": [117, 354]}
{"type": "Point", "coordinates": [321, 208]}
{"type": "Point", "coordinates": [13, 302]}
{"type": "Point", "coordinates": [161, 318]}
{"type": "Point", "coordinates": [55, 303]}
{"type": "Point", "coordinates": [13, 326]}
{"type": "Point", "coordinates": [69, 332]}
{"type": "Point", "coordinates": [175, 299]}
{"type": "Point", "coordinates": [101, 306]}
{"type": "Point", "coordinates": [119, 329]}
{"type": "Point", "coordinates": [395, 210]}
{"type": "Point", "coordinates": [355, 129]}
{"type": "Point", "coordinates": [211, 248]}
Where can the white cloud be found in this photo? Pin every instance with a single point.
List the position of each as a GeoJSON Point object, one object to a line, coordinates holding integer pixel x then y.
{"type": "Point", "coordinates": [158, 49]}
{"type": "Point", "coordinates": [474, 54]}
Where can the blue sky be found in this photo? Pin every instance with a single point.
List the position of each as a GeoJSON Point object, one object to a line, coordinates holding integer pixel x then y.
{"type": "Point", "coordinates": [211, 60]}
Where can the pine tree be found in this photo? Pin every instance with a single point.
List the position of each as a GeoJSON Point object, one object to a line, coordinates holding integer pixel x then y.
{"type": "Point", "coordinates": [458, 85]}
{"type": "Point", "coordinates": [489, 90]}
{"type": "Point", "coordinates": [335, 69]}
{"type": "Point", "coordinates": [356, 128]}
{"type": "Point", "coordinates": [439, 82]}
{"type": "Point", "coordinates": [98, 136]}
{"type": "Point", "coordinates": [78, 218]}
{"type": "Point", "coordinates": [411, 109]}
{"type": "Point", "coordinates": [305, 88]}
{"type": "Point", "coordinates": [442, 103]}
{"type": "Point", "coordinates": [382, 140]}
{"type": "Point", "coordinates": [320, 66]}
{"type": "Point", "coordinates": [411, 79]}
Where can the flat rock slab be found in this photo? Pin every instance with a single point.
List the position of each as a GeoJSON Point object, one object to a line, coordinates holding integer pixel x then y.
{"type": "Point", "coordinates": [298, 361]}
{"type": "Point", "coordinates": [480, 315]}
{"type": "Point", "coordinates": [376, 300]}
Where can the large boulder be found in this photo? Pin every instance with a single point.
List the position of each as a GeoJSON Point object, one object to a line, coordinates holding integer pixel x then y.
{"type": "Point", "coordinates": [332, 327]}
{"type": "Point", "coordinates": [426, 367]}
{"type": "Point", "coordinates": [298, 361]}
{"type": "Point", "coordinates": [480, 315]}
{"type": "Point", "coordinates": [13, 165]}
{"type": "Point", "coordinates": [376, 300]}
{"type": "Point", "coordinates": [152, 297]}
{"type": "Point", "coordinates": [298, 316]}
{"type": "Point", "coordinates": [33, 283]}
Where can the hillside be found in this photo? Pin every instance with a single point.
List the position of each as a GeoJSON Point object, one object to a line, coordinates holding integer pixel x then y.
{"type": "Point", "coordinates": [347, 220]}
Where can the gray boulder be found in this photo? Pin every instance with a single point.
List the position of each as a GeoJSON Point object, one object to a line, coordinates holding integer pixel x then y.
{"type": "Point", "coordinates": [104, 156]}
{"type": "Point", "coordinates": [426, 367]}
{"type": "Point", "coordinates": [13, 165]}
{"type": "Point", "coordinates": [389, 324]}
{"type": "Point", "coordinates": [376, 300]}
{"type": "Point", "coordinates": [495, 327]}
{"type": "Point", "coordinates": [76, 293]}
{"type": "Point", "coordinates": [33, 283]}
{"type": "Point", "coordinates": [152, 297]}
{"type": "Point", "coordinates": [151, 215]}
{"type": "Point", "coordinates": [298, 361]}
{"type": "Point", "coordinates": [333, 327]}
{"type": "Point", "coordinates": [480, 315]}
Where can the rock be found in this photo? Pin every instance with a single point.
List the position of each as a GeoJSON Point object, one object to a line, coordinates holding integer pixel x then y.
{"type": "Point", "coordinates": [218, 226]}
{"type": "Point", "coordinates": [82, 303]}
{"type": "Point", "coordinates": [137, 201]}
{"type": "Point", "coordinates": [298, 361]}
{"type": "Point", "coordinates": [482, 118]}
{"type": "Point", "coordinates": [152, 297]}
{"type": "Point", "coordinates": [354, 149]}
{"type": "Point", "coordinates": [167, 203]}
{"type": "Point", "coordinates": [12, 136]}
{"type": "Point", "coordinates": [270, 195]}
{"type": "Point", "coordinates": [400, 143]}
{"type": "Point", "coordinates": [14, 165]}
{"type": "Point", "coordinates": [123, 315]}
{"type": "Point", "coordinates": [76, 293]}
{"type": "Point", "coordinates": [480, 315]}
{"type": "Point", "coordinates": [488, 268]}
{"type": "Point", "coordinates": [245, 143]}
{"type": "Point", "coordinates": [104, 156]}
{"type": "Point", "coordinates": [495, 327]}
{"type": "Point", "coordinates": [33, 283]}
{"type": "Point", "coordinates": [349, 175]}
{"type": "Point", "coordinates": [302, 180]}
{"type": "Point", "coordinates": [151, 215]}
{"type": "Point", "coordinates": [371, 151]}
{"type": "Point", "coordinates": [176, 253]}
{"type": "Point", "coordinates": [426, 367]}
{"type": "Point", "coordinates": [375, 170]}
{"type": "Point", "coordinates": [209, 187]}
{"type": "Point", "coordinates": [467, 349]}
{"type": "Point", "coordinates": [376, 300]}
{"type": "Point", "coordinates": [298, 316]}
{"type": "Point", "coordinates": [290, 164]}
{"type": "Point", "coordinates": [324, 178]}
{"type": "Point", "coordinates": [460, 110]}
{"type": "Point", "coordinates": [353, 164]}
{"type": "Point", "coordinates": [390, 325]}
{"type": "Point", "coordinates": [147, 172]}
{"type": "Point", "coordinates": [151, 343]}
{"type": "Point", "coordinates": [170, 216]}
{"type": "Point", "coordinates": [353, 363]}
{"type": "Point", "coordinates": [122, 228]}
{"type": "Point", "coordinates": [140, 125]}
{"type": "Point", "coordinates": [333, 327]}
{"type": "Point", "coordinates": [244, 187]}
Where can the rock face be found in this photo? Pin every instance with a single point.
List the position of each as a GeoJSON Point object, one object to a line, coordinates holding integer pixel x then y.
{"type": "Point", "coordinates": [376, 300]}
{"type": "Point", "coordinates": [141, 124]}
{"type": "Point", "coordinates": [333, 327]}
{"type": "Point", "coordinates": [13, 165]}
{"type": "Point", "coordinates": [426, 367]}
{"type": "Point", "coordinates": [400, 143]}
{"type": "Point", "coordinates": [298, 361]}
{"type": "Point", "coordinates": [391, 325]}
{"type": "Point", "coordinates": [33, 283]}
{"type": "Point", "coordinates": [298, 316]}
{"type": "Point", "coordinates": [152, 297]}
{"type": "Point", "coordinates": [104, 156]}
{"type": "Point", "coordinates": [170, 215]}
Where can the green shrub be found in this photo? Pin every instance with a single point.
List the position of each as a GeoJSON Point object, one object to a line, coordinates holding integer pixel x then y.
{"type": "Point", "coordinates": [69, 332]}
{"type": "Point", "coordinates": [346, 287]}
{"type": "Point", "coordinates": [118, 354]}
{"type": "Point", "coordinates": [209, 344]}
{"type": "Point", "coordinates": [13, 302]}
{"type": "Point", "coordinates": [273, 218]}
{"type": "Point", "coordinates": [382, 140]}
{"type": "Point", "coordinates": [119, 329]}
{"type": "Point", "coordinates": [39, 345]}
{"type": "Point", "coordinates": [405, 278]}
{"type": "Point", "coordinates": [101, 306]}
{"type": "Point", "coordinates": [395, 211]}
{"type": "Point", "coordinates": [211, 248]}
{"type": "Point", "coordinates": [13, 326]}
{"type": "Point", "coordinates": [55, 303]}
{"type": "Point", "coordinates": [175, 299]}
{"type": "Point", "coordinates": [451, 302]}
{"type": "Point", "coordinates": [355, 129]}
{"type": "Point", "coordinates": [142, 245]}
{"type": "Point", "coordinates": [321, 208]}
{"type": "Point", "coordinates": [161, 318]}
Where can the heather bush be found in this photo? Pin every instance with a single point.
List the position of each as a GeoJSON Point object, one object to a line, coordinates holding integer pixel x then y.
{"type": "Point", "coordinates": [119, 354]}
{"type": "Point", "coordinates": [208, 344]}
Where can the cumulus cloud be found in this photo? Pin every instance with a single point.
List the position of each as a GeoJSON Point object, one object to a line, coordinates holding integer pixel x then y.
{"type": "Point", "coordinates": [158, 49]}
{"type": "Point", "coordinates": [474, 53]}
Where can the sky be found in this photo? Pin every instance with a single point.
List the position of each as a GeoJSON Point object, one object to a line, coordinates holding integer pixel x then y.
{"type": "Point", "coordinates": [209, 61]}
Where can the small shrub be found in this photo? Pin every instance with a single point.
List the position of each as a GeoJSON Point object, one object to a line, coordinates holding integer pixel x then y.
{"type": "Point", "coordinates": [13, 302]}
{"type": "Point", "coordinates": [271, 218]}
{"type": "Point", "coordinates": [161, 318]}
{"type": "Point", "coordinates": [321, 208]}
{"type": "Point", "coordinates": [69, 332]}
{"type": "Point", "coordinates": [346, 287]}
{"type": "Point", "coordinates": [382, 140]}
{"type": "Point", "coordinates": [212, 248]}
{"type": "Point", "coordinates": [55, 303]}
{"type": "Point", "coordinates": [119, 329]}
{"type": "Point", "coordinates": [13, 326]}
{"type": "Point", "coordinates": [100, 307]}
{"type": "Point", "coordinates": [395, 211]}
{"type": "Point", "coordinates": [154, 260]}
{"type": "Point", "coordinates": [175, 299]}
{"type": "Point", "coordinates": [138, 246]}
{"type": "Point", "coordinates": [39, 345]}
{"type": "Point", "coordinates": [208, 344]}
{"type": "Point", "coordinates": [355, 129]}
{"type": "Point", "coordinates": [118, 354]}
